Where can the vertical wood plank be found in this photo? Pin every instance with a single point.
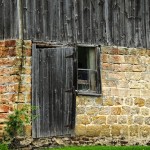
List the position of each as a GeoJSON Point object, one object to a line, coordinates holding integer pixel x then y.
{"type": "Point", "coordinates": [2, 19]}
{"type": "Point", "coordinates": [35, 92]}
{"type": "Point", "coordinates": [7, 16]}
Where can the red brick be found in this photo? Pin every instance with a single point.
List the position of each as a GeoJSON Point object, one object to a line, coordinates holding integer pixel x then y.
{"type": "Point", "coordinates": [9, 79]}
{"type": "Point", "coordinates": [26, 70]}
{"type": "Point", "coordinates": [3, 89]}
{"type": "Point", "coordinates": [8, 61]}
{"type": "Point", "coordinates": [2, 43]}
{"type": "Point", "coordinates": [27, 61]}
{"type": "Point", "coordinates": [4, 108]}
{"type": "Point", "coordinates": [3, 117]}
{"type": "Point", "coordinates": [12, 51]}
{"type": "Point", "coordinates": [27, 52]}
{"type": "Point", "coordinates": [13, 88]}
{"type": "Point", "coordinates": [3, 98]}
{"type": "Point", "coordinates": [11, 97]}
{"type": "Point", "coordinates": [10, 43]}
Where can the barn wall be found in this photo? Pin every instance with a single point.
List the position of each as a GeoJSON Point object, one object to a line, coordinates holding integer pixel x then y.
{"type": "Point", "coordinates": [122, 112]}
{"type": "Point", "coordinates": [108, 22]}
{"type": "Point", "coordinates": [15, 78]}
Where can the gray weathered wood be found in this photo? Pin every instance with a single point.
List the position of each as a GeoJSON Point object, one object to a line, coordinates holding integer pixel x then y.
{"type": "Point", "coordinates": [52, 76]}
{"type": "Point", "coordinates": [108, 22]}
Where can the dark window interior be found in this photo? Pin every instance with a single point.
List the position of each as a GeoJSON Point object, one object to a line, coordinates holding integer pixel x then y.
{"type": "Point", "coordinates": [87, 72]}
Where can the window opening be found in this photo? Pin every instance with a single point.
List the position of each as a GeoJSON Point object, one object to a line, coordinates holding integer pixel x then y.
{"type": "Point", "coordinates": [87, 70]}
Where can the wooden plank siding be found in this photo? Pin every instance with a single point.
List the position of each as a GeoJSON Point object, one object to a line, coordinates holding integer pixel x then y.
{"type": "Point", "coordinates": [8, 19]}
{"type": "Point", "coordinates": [109, 22]}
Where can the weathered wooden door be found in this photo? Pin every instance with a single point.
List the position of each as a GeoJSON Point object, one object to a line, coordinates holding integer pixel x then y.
{"type": "Point", "coordinates": [52, 91]}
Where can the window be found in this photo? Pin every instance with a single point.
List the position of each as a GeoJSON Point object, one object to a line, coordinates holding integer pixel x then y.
{"type": "Point", "coordinates": [88, 81]}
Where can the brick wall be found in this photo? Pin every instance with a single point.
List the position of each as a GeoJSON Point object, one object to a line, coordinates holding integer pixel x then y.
{"type": "Point", "coordinates": [123, 110]}
{"type": "Point", "coordinates": [15, 78]}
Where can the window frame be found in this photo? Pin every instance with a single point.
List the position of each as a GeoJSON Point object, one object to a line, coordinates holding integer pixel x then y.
{"type": "Point", "coordinates": [98, 91]}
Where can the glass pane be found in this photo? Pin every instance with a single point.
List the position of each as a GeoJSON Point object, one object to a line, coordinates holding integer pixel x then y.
{"type": "Point", "coordinates": [87, 80]}
{"type": "Point", "coordinates": [86, 58]}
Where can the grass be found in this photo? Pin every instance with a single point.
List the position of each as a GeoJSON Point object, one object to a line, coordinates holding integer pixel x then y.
{"type": "Point", "coordinates": [103, 148]}
{"type": "Point", "coordinates": [3, 147]}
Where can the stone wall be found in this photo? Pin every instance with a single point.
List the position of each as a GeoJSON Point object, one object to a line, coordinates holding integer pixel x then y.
{"type": "Point", "coordinates": [120, 115]}
{"type": "Point", "coordinates": [15, 78]}
{"type": "Point", "coordinates": [123, 110]}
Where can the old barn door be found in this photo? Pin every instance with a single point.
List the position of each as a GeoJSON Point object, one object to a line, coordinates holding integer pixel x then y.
{"type": "Point", "coordinates": [52, 91]}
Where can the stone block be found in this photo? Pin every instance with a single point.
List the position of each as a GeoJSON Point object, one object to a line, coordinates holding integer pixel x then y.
{"type": "Point", "coordinates": [131, 60]}
{"type": "Point", "coordinates": [116, 76]}
{"type": "Point", "coordinates": [139, 101]}
{"type": "Point", "coordinates": [92, 110]}
{"type": "Point", "coordinates": [80, 130]}
{"type": "Point", "coordinates": [135, 110]}
{"type": "Point", "coordinates": [89, 101]}
{"type": "Point", "coordinates": [147, 103]}
{"type": "Point", "coordinates": [122, 119]}
{"type": "Point", "coordinates": [93, 130]}
{"type": "Point", "coordinates": [108, 102]}
{"type": "Point", "coordinates": [83, 119]}
{"type": "Point", "coordinates": [118, 100]}
{"type": "Point", "coordinates": [134, 130]}
{"type": "Point", "coordinates": [136, 76]}
{"type": "Point", "coordinates": [115, 110]}
{"type": "Point", "coordinates": [98, 100]}
{"type": "Point", "coordinates": [104, 110]}
{"type": "Point", "coordinates": [129, 101]}
{"type": "Point", "coordinates": [119, 130]}
{"type": "Point", "coordinates": [117, 59]}
{"type": "Point", "coordinates": [134, 92]}
{"type": "Point", "coordinates": [105, 131]}
{"type": "Point", "coordinates": [144, 111]}
{"type": "Point", "coordinates": [105, 58]}
{"type": "Point", "coordinates": [139, 68]}
{"type": "Point", "coordinates": [107, 66]}
{"type": "Point", "coordinates": [134, 85]}
{"type": "Point", "coordinates": [138, 120]}
{"type": "Point", "coordinates": [126, 110]}
{"type": "Point", "coordinates": [147, 120]}
{"type": "Point", "coordinates": [80, 101]}
{"type": "Point", "coordinates": [114, 51]}
{"type": "Point", "coordinates": [28, 43]}
{"type": "Point", "coordinates": [28, 130]}
{"type": "Point", "coordinates": [144, 131]}
{"type": "Point", "coordinates": [112, 119]}
{"type": "Point", "coordinates": [80, 110]}
{"type": "Point", "coordinates": [130, 120]}
{"type": "Point", "coordinates": [99, 120]}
